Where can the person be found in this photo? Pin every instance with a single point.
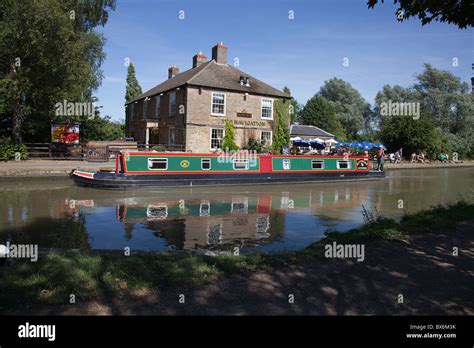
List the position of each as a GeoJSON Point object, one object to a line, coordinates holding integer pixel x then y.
{"type": "Point", "coordinates": [380, 159]}
{"type": "Point", "coordinates": [421, 158]}
{"type": "Point", "coordinates": [413, 157]}
{"type": "Point", "coordinates": [397, 156]}
{"type": "Point", "coordinates": [391, 157]}
{"type": "Point", "coordinates": [401, 153]}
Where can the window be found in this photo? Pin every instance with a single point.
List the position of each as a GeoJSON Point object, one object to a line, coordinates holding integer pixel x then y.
{"type": "Point", "coordinates": [158, 163]}
{"type": "Point", "coordinates": [343, 164]}
{"type": "Point", "coordinates": [132, 110]}
{"type": "Point", "coordinates": [158, 212]}
{"type": "Point", "coordinates": [218, 104]}
{"type": "Point", "coordinates": [205, 208]}
{"type": "Point", "coordinates": [172, 97]}
{"type": "Point", "coordinates": [171, 136]}
{"type": "Point", "coordinates": [241, 164]}
{"type": "Point", "coordinates": [266, 137]}
{"type": "Point", "coordinates": [205, 163]}
{"type": "Point", "coordinates": [316, 164]}
{"type": "Point", "coordinates": [217, 134]}
{"type": "Point", "coordinates": [267, 109]}
{"type": "Point", "coordinates": [286, 164]}
{"type": "Point", "coordinates": [157, 108]}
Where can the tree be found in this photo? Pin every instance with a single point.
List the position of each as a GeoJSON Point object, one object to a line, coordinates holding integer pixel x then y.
{"type": "Point", "coordinates": [281, 132]}
{"type": "Point", "coordinates": [133, 88]}
{"type": "Point", "coordinates": [228, 143]}
{"type": "Point", "coordinates": [349, 105]}
{"type": "Point", "coordinates": [414, 135]}
{"type": "Point", "coordinates": [295, 107]}
{"type": "Point", "coordinates": [102, 128]}
{"type": "Point", "coordinates": [320, 113]}
{"type": "Point", "coordinates": [48, 52]}
{"type": "Point", "coordinates": [458, 12]}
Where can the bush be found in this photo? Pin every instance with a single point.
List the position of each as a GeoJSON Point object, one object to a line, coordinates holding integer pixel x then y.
{"type": "Point", "coordinates": [159, 148]}
{"type": "Point", "coordinates": [8, 150]}
{"type": "Point", "coordinates": [254, 145]}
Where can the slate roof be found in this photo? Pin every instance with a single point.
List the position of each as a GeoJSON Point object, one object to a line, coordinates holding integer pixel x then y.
{"type": "Point", "coordinates": [214, 75]}
{"type": "Point", "coordinates": [308, 131]}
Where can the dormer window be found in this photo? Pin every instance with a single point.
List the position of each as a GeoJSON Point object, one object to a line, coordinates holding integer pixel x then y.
{"type": "Point", "coordinates": [247, 82]}
{"type": "Point", "coordinates": [242, 80]}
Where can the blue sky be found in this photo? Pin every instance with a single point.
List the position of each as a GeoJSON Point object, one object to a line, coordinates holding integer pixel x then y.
{"type": "Point", "coordinates": [300, 53]}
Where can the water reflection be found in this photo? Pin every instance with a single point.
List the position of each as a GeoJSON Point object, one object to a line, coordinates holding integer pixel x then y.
{"type": "Point", "coordinates": [55, 214]}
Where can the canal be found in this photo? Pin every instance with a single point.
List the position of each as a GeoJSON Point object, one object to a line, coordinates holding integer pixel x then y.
{"type": "Point", "coordinates": [53, 213]}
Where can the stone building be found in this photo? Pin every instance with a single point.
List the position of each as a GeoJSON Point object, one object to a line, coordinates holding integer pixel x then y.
{"type": "Point", "coordinates": [188, 111]}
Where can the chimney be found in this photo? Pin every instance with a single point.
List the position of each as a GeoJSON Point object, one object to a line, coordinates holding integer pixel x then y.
{"type": "Point", "coordinates": [219, 53]}
{"type": "Point", "coordinates": [198, 59]}
{"type": "Point", "coordinates": [173, 71]}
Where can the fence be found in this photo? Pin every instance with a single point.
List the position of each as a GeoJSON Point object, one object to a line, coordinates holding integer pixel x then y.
{"type": "Point", "coordinates": [94, 152]}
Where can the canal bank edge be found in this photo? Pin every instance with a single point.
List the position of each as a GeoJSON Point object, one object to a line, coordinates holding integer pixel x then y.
{"type": "Point", "coordinates": [45, 168]}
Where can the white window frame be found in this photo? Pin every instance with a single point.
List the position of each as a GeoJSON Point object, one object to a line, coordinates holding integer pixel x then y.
{"type": "Point", "coordinates": [169, 104]}
{"type": "Point", "coordinates": [158, 158]}
{"type": "Point", "coordinates": [202, 161]}
{"type": "Point", "coordinates": [212, 103]}
{"type": "Point", "coordinates": [157, 106]}
{"type": "Point", "coordinates": [288, 161]}
{"type": "Point", "coordinates": [210, 138]}
{"type": "Point", "coordinates": [261, 109]}
{"type": "Point", "coordinates": [240, 160]}
{"type": "Point", "coordinates": [271, 137]}
{"type": "Point", "coordinates": [349, 166]}
{"type": "Point", "coordinates": [320, 161]}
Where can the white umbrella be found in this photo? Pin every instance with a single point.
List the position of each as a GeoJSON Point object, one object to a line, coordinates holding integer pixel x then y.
{"type": "Point", "coordinates": [295, 139]}
{"type": "Point", "coordinates": [330, 141]}
{"type": "Point", "coordinates": [318, 140]}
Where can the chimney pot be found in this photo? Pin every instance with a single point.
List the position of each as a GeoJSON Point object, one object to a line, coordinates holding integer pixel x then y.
{"type": "Point", "coordinates": [219, 53]}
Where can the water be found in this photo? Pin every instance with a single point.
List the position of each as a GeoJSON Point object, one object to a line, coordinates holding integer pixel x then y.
{"type": "Point", "coordinates": [53, 213]}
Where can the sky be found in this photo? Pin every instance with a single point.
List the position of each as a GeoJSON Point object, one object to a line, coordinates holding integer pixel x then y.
{"type": "Point", "coordinates": [300, 52]}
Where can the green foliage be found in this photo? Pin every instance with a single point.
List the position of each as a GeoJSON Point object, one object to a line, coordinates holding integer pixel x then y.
{"type": "Point", "coordinates": [9, 149]}
{"type": "Point", "coordinates": [133, 88]}
{"type": "Point", "coordinates": [254, 145]}
{"type": "Point", "coordinates": [320, 113]}
{"type": "Point", "coordinates": [228, 143]}
{"type": "Point", "coordinates": [47, 54]}
{"type": "Point", "coordinates": [351, 108]}
{"type": "Point", "coordinates": [102, 128]}
{"type": "Point", "coordinates": [454, 12]}
{"type": "Point", "coordinates": [414, 135]}
{"type": "Point", "coordinates": [281, 132]}
{"type": "Point", "coordinates": [295, 107]}
{"type": "Point", "coordinates": [448, 104]}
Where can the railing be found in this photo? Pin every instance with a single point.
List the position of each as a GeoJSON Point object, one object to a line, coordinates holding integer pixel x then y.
{"type": "Point", "coordinates": [93, 153]}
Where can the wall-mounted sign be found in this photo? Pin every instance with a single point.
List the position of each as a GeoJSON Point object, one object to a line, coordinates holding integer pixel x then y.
{"type": "Point", "coordinates": [247, 123]}
{"type": "Point", "coordinates": [244, 114]}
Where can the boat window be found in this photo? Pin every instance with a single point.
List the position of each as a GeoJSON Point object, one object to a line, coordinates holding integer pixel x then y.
{"type": "Point", "coordinates": [205, 163]}
{"type": "Point", "coordinates": [343, 165]}
{"type": "Point", "coordinates": [158, 163]}
{"type": "Point", "coordinates": [157, 212]}
{"type": "Point", "coordinates": [241, 164]}
{"type": "Point", "coordinates": [286, 164]}
{"type": "Point", "coordinates": [317, 164]}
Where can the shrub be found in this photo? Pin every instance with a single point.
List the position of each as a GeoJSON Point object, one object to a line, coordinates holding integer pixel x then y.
{"type": "Point", "coordinates": [8, 150]}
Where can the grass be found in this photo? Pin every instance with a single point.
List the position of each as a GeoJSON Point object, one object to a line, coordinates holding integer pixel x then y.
{"type": "Point", "coordinates": [54, 277]}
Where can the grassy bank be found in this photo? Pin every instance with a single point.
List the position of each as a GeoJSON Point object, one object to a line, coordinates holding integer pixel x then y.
{"type": "Point", "coordinates": [54, 277]}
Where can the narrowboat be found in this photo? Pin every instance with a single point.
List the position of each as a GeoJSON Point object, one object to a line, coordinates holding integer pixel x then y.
{"type": "Point", "coordinates": [161, 169]}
